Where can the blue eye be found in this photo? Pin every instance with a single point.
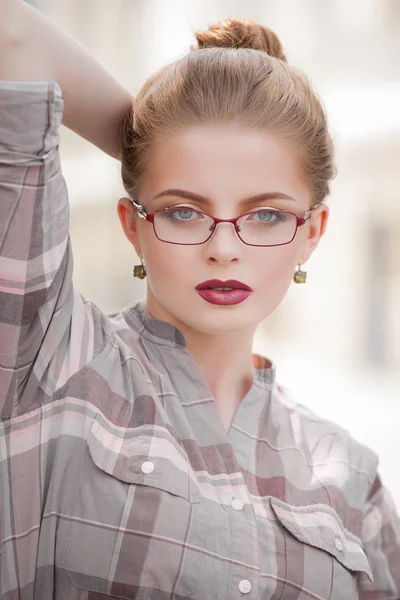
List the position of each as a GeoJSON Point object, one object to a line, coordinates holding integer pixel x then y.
{"type": "Point", "coordinates": [184, 214]}
{"type": "Point", "coordinates": [268, 216]}
{"type": "Point", "coordinates": [181, 214]}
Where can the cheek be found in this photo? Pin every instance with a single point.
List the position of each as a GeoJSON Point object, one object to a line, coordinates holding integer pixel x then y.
{"type": "Point", "coordinates": [273, 279]}
{"type": "Point", "coordinates": [167, 262]}
{"type": "Point", "coordinates": [276, 265]}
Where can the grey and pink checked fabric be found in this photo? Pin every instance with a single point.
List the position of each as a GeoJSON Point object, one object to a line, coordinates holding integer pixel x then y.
{"type": "Point", "coordinates": [117, 476]}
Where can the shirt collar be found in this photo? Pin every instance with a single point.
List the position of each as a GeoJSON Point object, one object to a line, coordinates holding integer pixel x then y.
{"type": "Point", "coordinates": [161, 332]}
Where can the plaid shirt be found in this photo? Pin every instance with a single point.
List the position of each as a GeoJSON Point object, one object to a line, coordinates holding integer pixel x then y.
{"type": "Point", "coordinates": [117, 476]}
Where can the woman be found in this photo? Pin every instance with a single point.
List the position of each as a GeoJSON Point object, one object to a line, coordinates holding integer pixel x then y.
{"type": "Point", "coordinates": [148, 454]}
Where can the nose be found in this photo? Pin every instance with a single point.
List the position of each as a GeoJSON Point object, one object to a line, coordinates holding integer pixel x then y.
{"type": "Point", "coordinates": [224, 246]}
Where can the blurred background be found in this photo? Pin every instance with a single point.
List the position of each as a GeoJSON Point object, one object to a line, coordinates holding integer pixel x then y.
{"type": "Point", "coordinates": [336, 340]}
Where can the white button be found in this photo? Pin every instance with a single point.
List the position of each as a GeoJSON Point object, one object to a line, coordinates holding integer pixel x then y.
{"type": "Point", "coordinates": [237, 504]}
{"type": "Point", "coordinates": [147, 467]}
{"type": "Point", "coordinates": [245, 586]}
{"type": "Point", "coordinates": [339, 544]}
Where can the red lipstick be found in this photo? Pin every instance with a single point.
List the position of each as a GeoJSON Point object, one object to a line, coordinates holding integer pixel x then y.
{"type": "Point", "coordinates": [224, 293]}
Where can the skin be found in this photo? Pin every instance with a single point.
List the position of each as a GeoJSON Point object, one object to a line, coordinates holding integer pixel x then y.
{"type": "Point", "coordinates": [224, 164]}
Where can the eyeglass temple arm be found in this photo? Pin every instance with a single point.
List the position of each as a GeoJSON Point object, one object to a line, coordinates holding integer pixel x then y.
{"type": "Point", "coordinates": [141, 209]}
{"type": "Point", "coordinates": [307, 214]}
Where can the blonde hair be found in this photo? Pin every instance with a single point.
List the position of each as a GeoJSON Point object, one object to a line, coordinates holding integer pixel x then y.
{"type": "Point", "coordinates": [237, 73]}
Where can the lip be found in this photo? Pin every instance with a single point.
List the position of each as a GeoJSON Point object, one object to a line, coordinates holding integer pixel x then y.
{"type": "Point", "coordinates": [211, 284]}
{"type": "Point", "coordinates": [224, 298]}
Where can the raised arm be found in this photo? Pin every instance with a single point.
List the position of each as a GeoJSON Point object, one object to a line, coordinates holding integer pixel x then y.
{"type": "Point", "coordinates": [33, 48]}
{"type": "Point", "coordinates": [48, 332]}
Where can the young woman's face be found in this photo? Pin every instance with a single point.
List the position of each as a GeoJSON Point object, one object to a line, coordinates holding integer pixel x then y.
{"type": "Point", "coordinates": [224, 166]}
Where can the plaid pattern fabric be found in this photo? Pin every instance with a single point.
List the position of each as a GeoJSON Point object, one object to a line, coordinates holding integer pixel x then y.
{"type": "Point", "coordinates": [117, 477]}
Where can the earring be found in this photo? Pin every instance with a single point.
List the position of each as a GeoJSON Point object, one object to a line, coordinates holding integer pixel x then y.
{"type": "Point", "coordinates": [299, 276]}
{"type": "Point", "coordinates": [139, 270]}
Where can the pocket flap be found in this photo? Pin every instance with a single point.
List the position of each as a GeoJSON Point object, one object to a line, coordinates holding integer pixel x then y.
{"type": "Point", "coordinates": [319, 525]}
{"type": "Point", "coordinates": [121, 452]}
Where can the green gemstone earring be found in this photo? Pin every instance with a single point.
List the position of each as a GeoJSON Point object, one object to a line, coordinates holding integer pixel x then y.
{"type": "Point", "coordinates": [139, 270]}
{"type": "Point", "coordinates": [299, 276]}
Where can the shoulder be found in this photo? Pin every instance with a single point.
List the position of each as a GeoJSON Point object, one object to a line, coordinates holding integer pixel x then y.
{"type": "Point", "coordinates": [334, 454]}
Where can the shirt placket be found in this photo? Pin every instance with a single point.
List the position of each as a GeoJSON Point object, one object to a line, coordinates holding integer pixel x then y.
{"type": "Point", "coordinates": [245, 578]}
{"type": "Point", "coordinates": [234, 498]}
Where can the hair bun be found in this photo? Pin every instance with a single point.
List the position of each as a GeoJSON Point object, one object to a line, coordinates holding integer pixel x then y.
{"type": "Point", "coordinates": [241, 33]}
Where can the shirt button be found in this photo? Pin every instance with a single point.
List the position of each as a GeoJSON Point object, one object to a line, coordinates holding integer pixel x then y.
{"type": "Point", "coordinates": [339, 544]}
{"type": "Point", "coordinates": [147, 467]}
{"type": "Point", "coordinates": [237, 504]}
{"type": "Point", "coordinates": [245, 586]}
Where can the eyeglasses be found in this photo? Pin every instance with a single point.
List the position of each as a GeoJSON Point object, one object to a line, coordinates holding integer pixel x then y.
{"type": "Point", "coordinates": [184, 225]}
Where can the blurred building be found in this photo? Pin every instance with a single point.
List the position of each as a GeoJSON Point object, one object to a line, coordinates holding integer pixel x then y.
{"type": "Point", "coordinates": [336, 340]}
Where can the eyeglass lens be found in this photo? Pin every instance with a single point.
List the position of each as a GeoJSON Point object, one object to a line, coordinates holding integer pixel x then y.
{"type": "Point", "coordinates": [260, 228]}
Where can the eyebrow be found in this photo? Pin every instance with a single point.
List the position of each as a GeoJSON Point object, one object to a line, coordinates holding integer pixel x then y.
{"type": "Point", "coordinates": [243, 202]}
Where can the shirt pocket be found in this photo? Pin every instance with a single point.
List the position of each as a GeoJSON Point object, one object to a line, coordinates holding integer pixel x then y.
{"type": "Point", "coordinates": [138, 527]}
{"type": "Point", "coordinates": [322, 556]}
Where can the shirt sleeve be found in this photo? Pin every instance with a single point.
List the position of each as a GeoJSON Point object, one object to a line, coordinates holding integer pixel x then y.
{"type": "Point", "coordinates": [381, 541]}
{"type": "Point", "coordinates": [36, 293]}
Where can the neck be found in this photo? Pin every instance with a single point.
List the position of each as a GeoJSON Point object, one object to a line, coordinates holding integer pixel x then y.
{"type": "Point", "coordinates": [225, 361]}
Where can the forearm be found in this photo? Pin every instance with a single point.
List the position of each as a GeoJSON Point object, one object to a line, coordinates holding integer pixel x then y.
{"type": "Point", "coordinates": [33, 48]}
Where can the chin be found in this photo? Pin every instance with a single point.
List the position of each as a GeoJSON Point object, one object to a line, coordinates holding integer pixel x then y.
{"type": "Point", "coordinates": [220, 320]}
{"type": "Point", "coordinates": [207, 318]}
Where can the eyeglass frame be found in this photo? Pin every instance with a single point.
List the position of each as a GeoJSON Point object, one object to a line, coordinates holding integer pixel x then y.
{"type": "Point", "coordinates": [150, 218]}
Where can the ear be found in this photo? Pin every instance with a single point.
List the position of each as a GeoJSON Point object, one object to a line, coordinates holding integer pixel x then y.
{"type": "Point", "coordinates": [316, 229]}
{"type": "Point", "coordinates": [129, 220]}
